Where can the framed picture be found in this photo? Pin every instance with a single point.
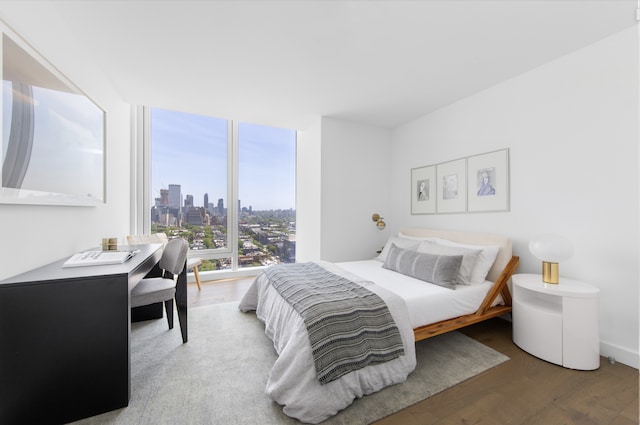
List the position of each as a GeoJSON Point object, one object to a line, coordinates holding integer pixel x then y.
{"type": "Point", "coordinates": [488, 181]}
{"type": "Point", "coordinates": [451, 181]}
{"type": "Point", "coordinates": [53, 143]}
{"type": "Point", "coordinates": [423, 190]}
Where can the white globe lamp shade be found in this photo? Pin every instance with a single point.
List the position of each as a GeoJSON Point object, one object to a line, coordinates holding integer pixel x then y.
{"type": "Point", "coordinates": [551, 250]}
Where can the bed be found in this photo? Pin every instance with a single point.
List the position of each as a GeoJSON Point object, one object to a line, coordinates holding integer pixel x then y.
{"type": "Point", "coordinates": [418, 309]}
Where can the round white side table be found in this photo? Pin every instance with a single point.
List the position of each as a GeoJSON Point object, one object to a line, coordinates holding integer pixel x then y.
{"type": "Point", "coordinates": [557, 322]}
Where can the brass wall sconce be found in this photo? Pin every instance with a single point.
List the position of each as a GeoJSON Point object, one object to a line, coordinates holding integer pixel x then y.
{"type": "Point", "coordinates": [379, 221]}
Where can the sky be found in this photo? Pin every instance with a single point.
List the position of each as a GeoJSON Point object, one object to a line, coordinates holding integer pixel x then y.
{"type": "Point", "coordinates": [191, 150]}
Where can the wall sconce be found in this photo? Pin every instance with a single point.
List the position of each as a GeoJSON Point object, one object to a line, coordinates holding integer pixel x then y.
{"type": "Point", "coordinates": [551, 249]}
{"type": "Point", "coordinates": [379, 221]}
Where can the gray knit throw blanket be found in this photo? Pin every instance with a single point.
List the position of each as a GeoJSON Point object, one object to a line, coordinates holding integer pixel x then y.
{"type": "Point", "coordinates": [349, 326]}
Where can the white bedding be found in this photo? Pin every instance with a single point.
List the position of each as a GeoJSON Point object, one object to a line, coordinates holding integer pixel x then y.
{"type": "Point", "coordinates": [412, 303]}
{"type": "Point", "coordinates": [427, 303]}
{"type": "Point", "coordinates": [293, 382]}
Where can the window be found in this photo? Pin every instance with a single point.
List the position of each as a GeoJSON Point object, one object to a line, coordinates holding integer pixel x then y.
{"type": "Point", "coordinates": [266, 188]}
{"type": "Point", "coordinates": [228, 188]}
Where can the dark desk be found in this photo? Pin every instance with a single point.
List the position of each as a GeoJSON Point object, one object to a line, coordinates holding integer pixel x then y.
{"type": "Point", "coordinates": [64, 340]}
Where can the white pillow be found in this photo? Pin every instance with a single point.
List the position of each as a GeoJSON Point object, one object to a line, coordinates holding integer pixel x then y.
{"type": "Point", "coordinates": [418, 238]}
{"type": "Point", "coordinates": [400, 242]}
{"type": "Point", "coordinates": [484, 262]}
{"type": "Point", "coordinates": [469, 258]}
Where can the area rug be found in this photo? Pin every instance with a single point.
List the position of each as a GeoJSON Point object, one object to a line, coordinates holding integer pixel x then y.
{"type": "Point", "coordinates": [219, 376]}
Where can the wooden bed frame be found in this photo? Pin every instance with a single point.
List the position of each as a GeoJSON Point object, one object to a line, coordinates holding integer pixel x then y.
{"type": "Point", "coordinates": [500, 273]}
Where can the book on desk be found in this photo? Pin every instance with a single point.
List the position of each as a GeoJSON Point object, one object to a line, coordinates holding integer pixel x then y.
{"type": "Point", "coordinates": [98, 258]}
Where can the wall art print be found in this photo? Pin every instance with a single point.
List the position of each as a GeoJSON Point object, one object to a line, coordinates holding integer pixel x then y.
{"type": "Point", "coordinates": [423, 190]}
{"type": "Point", "coordinates": [488, 181]}
{"type": "Point", "coordinates": [478, 183]}
{"type": "Point", "coordinates": [53, 144]}
{"type": "Point", "coordinates": [451, 179]}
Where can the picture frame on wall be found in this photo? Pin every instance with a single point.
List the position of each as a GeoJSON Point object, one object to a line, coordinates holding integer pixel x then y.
{"type": "Point", "coordinates": [423, 190]}
{"type": "Point", "coordinates": [451, 181]}
{"type": "Point", "coordinates": [53, 148]}
{"type": "Point", "coordinates": [488, 181]}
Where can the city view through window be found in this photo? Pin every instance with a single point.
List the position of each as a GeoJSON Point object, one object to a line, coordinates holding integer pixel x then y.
{"type": "Point", "coordinates": [189, 188]}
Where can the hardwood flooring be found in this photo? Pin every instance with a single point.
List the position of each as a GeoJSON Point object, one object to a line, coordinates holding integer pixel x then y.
{"type": "Point", "coordinates": [527, 390]}
{"type": "Point", "coordinates": [524, 390]}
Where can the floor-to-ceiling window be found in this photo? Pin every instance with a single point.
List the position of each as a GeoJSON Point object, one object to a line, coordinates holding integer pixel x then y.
{"type": "Point", "coordinates": [266, 189]}
{"type": "Point", "coordinates": [226, 187]}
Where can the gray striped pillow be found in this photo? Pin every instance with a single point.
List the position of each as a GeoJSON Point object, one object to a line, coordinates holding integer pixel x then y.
{"type": "Point", "coordinates": [441, 270]}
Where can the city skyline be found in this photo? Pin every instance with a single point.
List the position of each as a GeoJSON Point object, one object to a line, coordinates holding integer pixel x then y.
{"type": "Point", "coordinates": [211, 201]}
{"type": "Point", "coordinates": [191, 150]}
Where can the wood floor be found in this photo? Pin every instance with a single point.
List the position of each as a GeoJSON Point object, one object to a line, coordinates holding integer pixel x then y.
{"type": "Point", "coordinates": [524, 390]}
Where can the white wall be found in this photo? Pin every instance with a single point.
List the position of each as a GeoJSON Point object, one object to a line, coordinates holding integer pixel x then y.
{"type": "Point", "coordinates": [572, 130]}
{"type": "Point", "coordinates": [571, 126]}
{"type": "Point", "coordinates": [355, 185]}
{"type": "Point", "coordinates": [308, 192]}
{"type": "Point", "coordinates": [36, 235]}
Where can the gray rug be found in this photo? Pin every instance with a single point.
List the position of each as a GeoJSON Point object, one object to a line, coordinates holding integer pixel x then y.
{"type": "Point", "coordinates": [219, 376]}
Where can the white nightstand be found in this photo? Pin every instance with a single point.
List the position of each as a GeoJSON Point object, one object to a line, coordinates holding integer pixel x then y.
{"type": "Point", "coordinates": [557, 322]}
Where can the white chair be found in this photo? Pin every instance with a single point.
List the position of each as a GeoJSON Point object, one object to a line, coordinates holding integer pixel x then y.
{"type": "Point", "coordinates": [153, 290]}
{"type": "Point", "coordinates": [147, 238]}
{"type": "Point", "coordinates": [192, 264]}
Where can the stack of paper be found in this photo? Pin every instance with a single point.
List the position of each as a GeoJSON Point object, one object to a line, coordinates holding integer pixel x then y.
{"type": "Point", "coordinates": [98, 258]}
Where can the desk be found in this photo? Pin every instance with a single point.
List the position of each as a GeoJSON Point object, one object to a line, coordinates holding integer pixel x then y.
{"type": "Point", "coordinates": [64, 340]}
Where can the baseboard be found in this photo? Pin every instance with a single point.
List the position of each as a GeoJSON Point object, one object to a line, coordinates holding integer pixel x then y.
{"type": "Point", "coordinates": [612, 351]}
{"type": "Point", "coordinates": [620, 354]}
{"type": "Point", "coordinates": [225, 274]}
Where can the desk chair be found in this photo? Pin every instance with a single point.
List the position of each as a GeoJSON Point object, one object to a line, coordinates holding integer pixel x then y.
{"type": "Point", "coordinates": [192, 263]}
{"type": "Point", "coordinates": [153, 290]}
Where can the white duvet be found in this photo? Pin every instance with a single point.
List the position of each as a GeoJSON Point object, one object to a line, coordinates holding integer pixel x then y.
{"type": "Point", "coordinates": [427, 303]}
{"type": "Point", "coordinates": [293, 383]}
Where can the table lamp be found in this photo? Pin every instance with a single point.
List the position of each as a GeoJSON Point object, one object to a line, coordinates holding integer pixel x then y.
{"type": "Point", "coordinates": [551, 249]}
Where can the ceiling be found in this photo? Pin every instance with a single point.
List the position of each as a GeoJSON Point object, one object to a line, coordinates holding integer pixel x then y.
{"type": "Point", "coordinates": [285, 63]}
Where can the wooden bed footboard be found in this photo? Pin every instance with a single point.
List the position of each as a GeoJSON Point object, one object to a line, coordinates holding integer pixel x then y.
{"type": "Point", "coordinates": [484, 312]}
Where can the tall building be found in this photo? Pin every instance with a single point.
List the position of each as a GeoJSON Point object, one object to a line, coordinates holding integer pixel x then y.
{"type": "Point", "coordinates": [206, 201]}
{"type": "Point", "coordinates": [195, 216]}
{"type": "Point", "coordinates": [175, 196]}
{"type": "Point", "coordinates": [188, 202]}
{"type": "Point", "coordinates": [220, 206]}
{"type": "Point", "coordinates": [163, 200]}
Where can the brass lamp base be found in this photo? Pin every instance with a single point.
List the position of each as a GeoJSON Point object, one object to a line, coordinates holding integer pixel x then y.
{"type": "Point", "coordinates": [550, 272]}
